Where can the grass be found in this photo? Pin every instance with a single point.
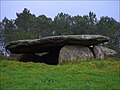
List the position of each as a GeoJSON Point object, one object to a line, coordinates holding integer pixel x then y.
{"type": "Point", "coordinates": [85, 75]}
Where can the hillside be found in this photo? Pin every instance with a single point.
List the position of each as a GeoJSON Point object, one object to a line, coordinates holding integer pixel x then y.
{"type": "Point", "coordinates": [88, 75]}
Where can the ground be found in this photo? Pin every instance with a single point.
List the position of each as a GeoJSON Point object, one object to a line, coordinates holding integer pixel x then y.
{"type": "Point", "coordinates": [84, 75]}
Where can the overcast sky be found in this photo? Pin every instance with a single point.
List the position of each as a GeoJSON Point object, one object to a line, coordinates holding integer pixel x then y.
{"type": "Point", "coordinates": [109, 8]}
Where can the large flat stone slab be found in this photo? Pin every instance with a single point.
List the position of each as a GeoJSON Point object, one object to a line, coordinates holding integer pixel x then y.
{"type": "Point", "coordinates": [51, 43]}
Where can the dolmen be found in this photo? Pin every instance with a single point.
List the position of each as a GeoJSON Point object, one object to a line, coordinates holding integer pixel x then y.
{"type": "Point", "coordinates": [61, 49]}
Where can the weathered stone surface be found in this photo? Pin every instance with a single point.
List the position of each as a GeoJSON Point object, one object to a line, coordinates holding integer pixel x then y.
{"type": "Point", "coordinates": [98, 52]}
{"type": "Point", "coordinates": [48, 44]}
{"type": "Point", "coordinates": [108, 51]}
{"type": "Point", "coordinates": [69, 53]}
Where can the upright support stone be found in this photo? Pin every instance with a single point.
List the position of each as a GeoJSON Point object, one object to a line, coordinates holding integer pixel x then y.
{"type": "Point", "coordinates": [73, 53]}
{"type": "Point", "coordinates": [98, 52]}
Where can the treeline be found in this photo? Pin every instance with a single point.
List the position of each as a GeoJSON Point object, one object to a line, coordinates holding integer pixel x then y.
{"type": "Point", "coordinates": [28, 26]}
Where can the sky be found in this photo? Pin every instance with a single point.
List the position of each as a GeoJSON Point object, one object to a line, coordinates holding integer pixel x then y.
{"type": "Point", "coordinates": [111, 8]}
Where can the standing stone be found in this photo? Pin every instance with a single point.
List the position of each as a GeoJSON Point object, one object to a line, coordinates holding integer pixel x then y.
{"type": "Point", "coordinates": [98, 52]}
{"type": "Point", "coordinates": [74, 53]}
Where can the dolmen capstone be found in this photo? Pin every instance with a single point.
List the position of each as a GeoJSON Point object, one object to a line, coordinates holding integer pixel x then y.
{"type": "Point", "coordinates": [60, 49]}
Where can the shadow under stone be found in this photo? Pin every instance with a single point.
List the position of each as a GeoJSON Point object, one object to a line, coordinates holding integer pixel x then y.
{"type": "Point", "coordinates": [50, 58]}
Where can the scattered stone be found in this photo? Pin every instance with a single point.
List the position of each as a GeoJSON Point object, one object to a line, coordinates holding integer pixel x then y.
{"type": "Point", "coordinates": [108, 51]}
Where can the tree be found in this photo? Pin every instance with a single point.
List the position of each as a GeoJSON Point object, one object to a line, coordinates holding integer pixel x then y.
{"type": "Point", "coordinates": [25, 20]}
{"type": "Point", "coordinates": [62, 23]}
{"type": "Point", "coordinates": [109, 27]}
{"type": "Point", "coordinates": [25, 23]}
{"type": "Point", "coordinates": [7, 29]}
{"type": "Point", "coordinates": [1, 33]}
{"type": "Point", "coordinates": [43, 25]}
{"type": "Point", "coordinates": [91, 22]}
{"type": "Point", "coordinates": [78, 25]}
{"type": "Point", "coordinates": [28, 26]}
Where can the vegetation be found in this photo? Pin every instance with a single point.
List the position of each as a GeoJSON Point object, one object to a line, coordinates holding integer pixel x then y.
{"type": "Point", "coordinates": [28, 26]}
{"type": "Point", "coordinates": [88, 75]}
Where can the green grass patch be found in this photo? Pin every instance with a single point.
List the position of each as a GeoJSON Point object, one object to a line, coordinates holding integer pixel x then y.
{"type": "Point", "coordinates": [88, 75]}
